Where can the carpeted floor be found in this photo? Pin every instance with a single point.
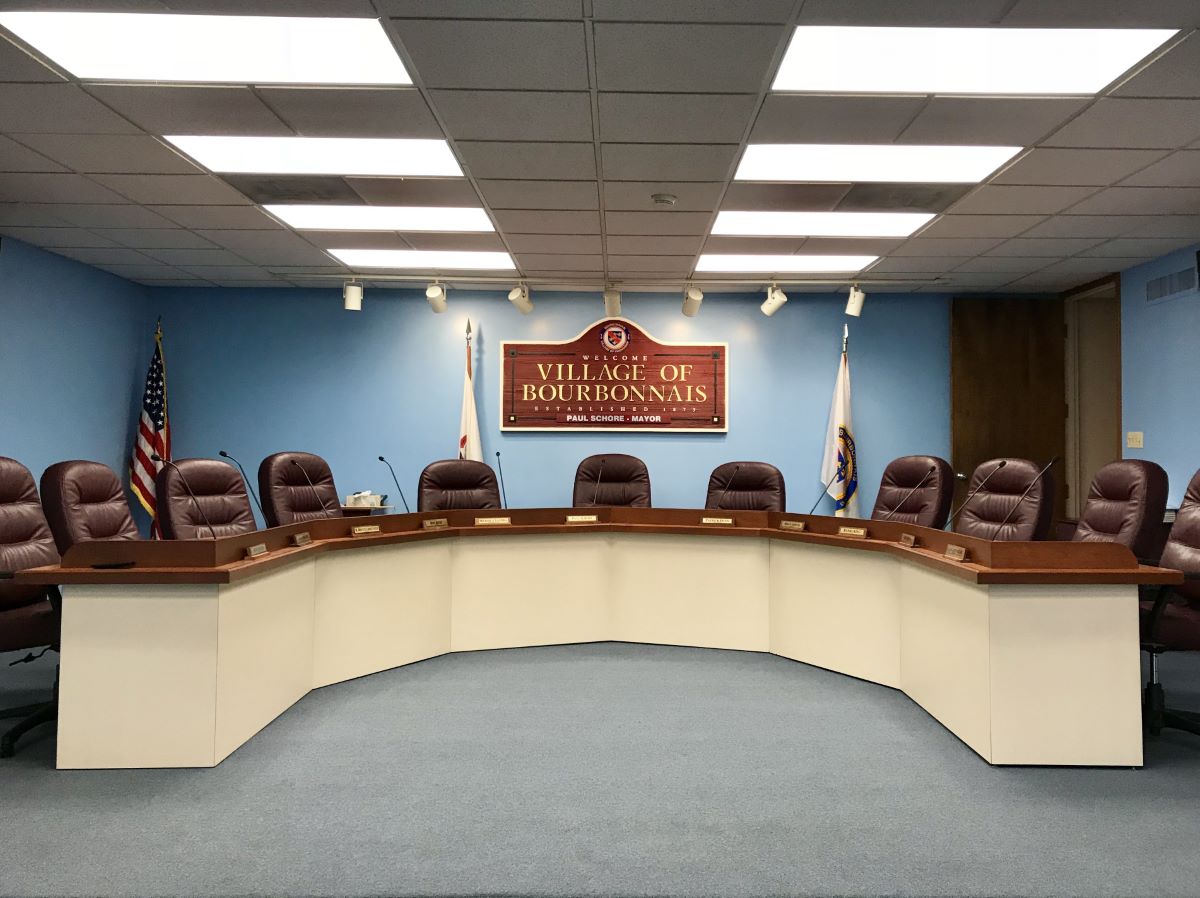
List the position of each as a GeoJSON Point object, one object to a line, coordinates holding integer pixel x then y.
{"type": "Point", "coordinates": [604, 770]}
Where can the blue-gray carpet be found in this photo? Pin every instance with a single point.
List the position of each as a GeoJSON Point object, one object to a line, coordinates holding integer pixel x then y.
{"type": "Point", "coordinates": [604, 770]}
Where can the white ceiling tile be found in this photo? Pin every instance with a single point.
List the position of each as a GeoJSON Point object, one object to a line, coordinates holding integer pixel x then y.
{"type": "Point", "coordinates": [138, 273]}
{"type": "Point", "coordinates": [756, 246]}
{"type": "Point", "coordinates": [360, 239]}
{"type": "Point", "coordinates": [1004, 199]}
{"type": "Point", "coordinates": [1161, 124]}
{"type": "Point", "coordinates": [180, 256]}
{"type": "Point", "coordinates": [497, 55]}
{"type": "Point", "coordinates": [31, 215]}
{"type": "Point", "coordinates": [990, 121]}
{"type": "Point", "coordinates": [917, 264]}
{"type": "Point", "coordinates": [53, 188]}
{"type": "Point", "coordinates": [901, 197]}
{"type": "Point", "coordinates": [155, 238]}
{"type": "Point", "coordinates": [533, 161]}
{"type": "Point", "coordinates": [56, 237]}
{"type": "Point", "coordinates": [748, 196]}
{"type": "Point", "coordinates": [590, 244]}
{"type": "Point", "coordinates": [852, 246]}
{"type": "Point", "coordinates": [799, 118]}
{"type": "Point", "coordinates": [946, 246]}
{"type": "Point", "coordinates": [415, 191]}
{"type": "Point", "coordinates": [692, 10]}
{"type": "Point", "coordinates": [980, 225]}
{"type": "Point", "coordinates": [223, 217]}
{"type": "Point", "coordinates": [17, 65]}
{"type": "Point", "coordinates": [110, 153]}
{"type": "Point", "coordinates": [657, 223]}
{"type": "Point", "coordinates": [656, 246]}
{"type": "Point", "coordinates": [110, 216]}
{"type": "Point", "coordinates": [173, 189]}
{"type": "Point", "coordinates": [353, 112]}
{"type": "Point", "coordinates": [229, 272]}
{"type": "Point", "coordinates": [1003, 265]}
{"type": "Point", "coordinates": [1174, 74]}
{"type": "Point", "coordinates": [1151, 247]}
{"type": "Point", "coordinates": [684, 58]}
{"type": "Point", "coordinates": [678, 118]}
{"type": "Point", "coordinates": [1141, 201]}
{"type": "Point", "coordinates": [649, 162]}
{"type": "Point", "coordinates": [540, 194]}
{"type": "Point", "coordinates": [469, 242]}
{"type": "Point", "coordinates": [484, 9]}
{"type": "Point", "coordinates": [1082, 226]}
{"type": "Point", "coordinates": [635, 196]}
{"type": "Point", "coordinates": [1104, 13]}
{"type": "Point", "coordinates": [617, 276]}
{"type": "Point", "coordinates": [15, 157]}
{"type": "Point", "coordinates": [327, 8]}
{"type": "Point", "coordinates": [515, 115]}
{"type": "Point", "coordinates": [519, 221]}
{"type": "Point", "coordinates": [1044, 247]}
{"type": "Point", "coordinates": [106, 256]}
{"type": "Point", "coordinates": [1180, 169]}
{"type": "Point", "coordinates": [57, 109]}
{"type": "Point", "coordinates": [909, 13]}
{"type": "Point", "coordinates": [192, 109]}
{"type": "Point", "coordinates": [1046, 165]}
{"type": "Point", "coordinates": [268, 247]}
{"type": "Point", "coordinates": [657, 264]}
{"type": "Point", "coordinates": [560, 262]}
{"type": "Point", "coordinates": [182, 281]}
{"type": "Point", "coordinates": [1165, 226]}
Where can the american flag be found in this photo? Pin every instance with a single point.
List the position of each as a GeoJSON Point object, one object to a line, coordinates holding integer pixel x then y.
{"type": "Point", "coordinates": [153, 434]}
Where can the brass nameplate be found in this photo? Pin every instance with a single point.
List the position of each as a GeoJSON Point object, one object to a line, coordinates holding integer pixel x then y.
{"type": "Point", "coordinates": [725, 522]}
{"type": "Point", "coordinates": [364, 529]}
{"type": "Point", "coordinates": [853, 532]}
{"type": "Point", "coordinates": [583, 519]}
{"type": "Point", "coordinates": [907, 539]}
{"type": "Point", "coordinates": [435, 523]}
{"type": "Point", "coordinates": [255, 550]}
{"type": "Point", "coordinates": [301, 539]}
{"type": "Point", "coordinates": [956, 553]}
{"type": "Point", "coordinates": [791, 525]}
{"type": "Point", "coordinates": [492, 522]}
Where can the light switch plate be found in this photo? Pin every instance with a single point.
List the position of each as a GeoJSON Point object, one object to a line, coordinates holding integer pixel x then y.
{"type": "Point", "coordinates": [1134, 439]}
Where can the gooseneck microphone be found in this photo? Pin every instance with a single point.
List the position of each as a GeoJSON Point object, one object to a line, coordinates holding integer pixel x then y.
{"type": "Point", "coordinates": [900, 505]}
{"type": "Point", "coordinates": [971, 495]}
{"type": "Point", "coordinates": [1032, 484]}
{"type": "Point", "coordinates": [397, 482]}
{"type": "Point", "coordinates": [836, 474]}
{"type": "Point", "coordinates": [324, 508]}
{"type": "Point", "coordinates": [728, 484]}
{"type": "Point", "coordinates": [503, 494]}
{"type": "Point", "coordinates": [187, 486]}
{"type": "Point", "coordinates": [599, 477]}
{"type": "Point", "coordinates": [253, 495]}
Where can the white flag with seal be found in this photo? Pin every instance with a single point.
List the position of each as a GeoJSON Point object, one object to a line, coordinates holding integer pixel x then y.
{"type": "Point", "coordinates": [839, 468]}
{"type": "Point", "coordinates": [469, 445]}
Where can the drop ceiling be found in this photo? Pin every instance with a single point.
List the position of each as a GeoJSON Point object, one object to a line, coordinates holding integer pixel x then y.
{"type": "Point", "coordinates": [567, 115]}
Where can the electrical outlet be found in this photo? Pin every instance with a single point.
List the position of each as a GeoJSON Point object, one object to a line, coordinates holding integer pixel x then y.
{"type": "Point", "coordinates": [1134, 439]}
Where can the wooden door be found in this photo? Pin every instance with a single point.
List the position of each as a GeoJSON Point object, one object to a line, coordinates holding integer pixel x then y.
{"type": "Point", "coordinates": [1007, 384]}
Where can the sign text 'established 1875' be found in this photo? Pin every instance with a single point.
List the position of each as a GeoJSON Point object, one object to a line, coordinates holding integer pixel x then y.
{"type": "Point", "coordinates": [614, 376]}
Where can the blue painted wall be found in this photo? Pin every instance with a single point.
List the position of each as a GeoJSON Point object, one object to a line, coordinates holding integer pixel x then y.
{"type": "Point", "coordinates": [258, 371]}
{"type": "Point", "coordinates": [74, 346]}
{"type": "Point", "coordinates": [1160, 377]}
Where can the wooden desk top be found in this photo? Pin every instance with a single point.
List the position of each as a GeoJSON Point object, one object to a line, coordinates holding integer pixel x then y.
{"type": "Point", "coordinates": [224, 560]}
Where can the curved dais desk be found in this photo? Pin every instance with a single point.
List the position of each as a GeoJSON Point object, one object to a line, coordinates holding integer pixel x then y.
{"type": "Point", "coordinates": [1028, 652]}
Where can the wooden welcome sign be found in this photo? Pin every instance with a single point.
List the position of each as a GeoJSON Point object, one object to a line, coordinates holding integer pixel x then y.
{"type": "Point", "coordinates": [614, 376]}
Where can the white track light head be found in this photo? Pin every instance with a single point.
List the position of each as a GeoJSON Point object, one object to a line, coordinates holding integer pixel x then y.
{"type": "Point", "coordinates": [436, 294]}
{"type": "Point", "coordinates": [612, 303]}
{"type": "Point", "coordinates": [774, 301]}
{"type": "Point", "coordinates": [692, 297]}
{"type": "Point", "coordinates": [519, 297]}
{"type": "Point", "coordinates": [854, 305]}
{"type": "Point", "coordinates": [352, 296]}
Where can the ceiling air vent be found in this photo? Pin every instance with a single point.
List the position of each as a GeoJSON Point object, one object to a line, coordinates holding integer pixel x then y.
{"type": "Point", "coordinates": [1171, 285]}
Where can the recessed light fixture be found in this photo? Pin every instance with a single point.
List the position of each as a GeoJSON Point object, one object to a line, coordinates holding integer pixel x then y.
{"type": "Point", "coordinates": [421, 259]}
{"type": "Point", "coordinates": [748, 264]}
{"type": "Point", "coordinates": [319, 217]}
{"type": "Point", "coordinates": [206, 49]}
{"type": "Point", "coordinates": [380, 156]}
{"type": "Point", "coordinates": [962, 60]}
{"type": "Point", "coordinates": [820, 224]}
{"type": "Point", "coordinates": [870, 162]}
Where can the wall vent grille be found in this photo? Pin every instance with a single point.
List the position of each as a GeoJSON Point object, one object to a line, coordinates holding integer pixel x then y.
{"type": "Point", "coordinates": [1171, 285]}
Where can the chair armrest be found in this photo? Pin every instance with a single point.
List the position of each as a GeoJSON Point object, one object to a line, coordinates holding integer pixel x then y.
{"type": "Point", "coordinates": [6, 575]}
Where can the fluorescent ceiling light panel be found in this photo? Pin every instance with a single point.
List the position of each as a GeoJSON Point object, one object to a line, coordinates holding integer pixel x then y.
{"type": "Point", "coordinates": [962, 60]}
{"type": "Point", "coordinates": [744, 264]}
{"type": "Point", "coordinates": [425, 260]}
{"type": "Point", "coordinates": [381, 156]}
{"type": "Point", "coordinates": [820, 224]}
{"type": "Point", "coordinates": [382, 218]}
{"type": "Point", "coordinates": [796, 162]}
{"type": "Point", "coordinates": [207, 49]}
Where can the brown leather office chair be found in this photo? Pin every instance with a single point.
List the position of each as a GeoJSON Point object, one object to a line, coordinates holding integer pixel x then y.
{"type": "Point", "coordinates": [915, 489]}
{"type": "Point", "coordinates": [457, 483]}
{"type": "Point", "coordinates": [84, 500]}
{"type": "Point", "coordinates": [1013, 502]}
{"type": "Point", "coordinates": [613, 479]}
{"type": "Point", "coordinates": [746, 486]}
{"type": "Point", "coordinates": [1171, 614]}
{"type": "Point", "coordinates": [29, 615]}
{"type": "Point", "coordinates": [1125, 505]}
{"type": "Point", "coordinates": [297, 486]}
{"type": "Point", "coordinates": [202, 498]}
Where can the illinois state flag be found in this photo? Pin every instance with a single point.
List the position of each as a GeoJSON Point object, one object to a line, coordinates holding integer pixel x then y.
{"type": "Point", "coordinates": [840, 466]}
{"type": "Point", "coordinates": [469, 445]}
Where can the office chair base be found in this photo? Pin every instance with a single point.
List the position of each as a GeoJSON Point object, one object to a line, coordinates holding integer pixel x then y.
{"type": "Point", "coordinates": [1156, 716]}
{"type": "Point", "coordinates": [35, 716]}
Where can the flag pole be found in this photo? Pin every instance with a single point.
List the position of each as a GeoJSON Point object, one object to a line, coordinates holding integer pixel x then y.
{"type": "Point", "coordinates": [845, 337]}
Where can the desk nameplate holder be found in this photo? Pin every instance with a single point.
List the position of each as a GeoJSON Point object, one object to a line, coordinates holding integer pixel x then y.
{"type": "Point", "coordinates": [256, 550]}
{"type": "Point", "coordinates": [583, 519]}
{"type": "Point", "coordinates": [794, 526]}
{"type": "Point", "coordinates": [364, 529]}
{"type": "Point", "coordinates": [301, 539]}
{"type": "Point", "coordinates": [908, 540]}
{"type": "Point", "coordinates": [721, 522]}
{"type": "Point", "coordinates": [493, 522]}
{"type": "Point", "coordinates": [853, 532]}
{"type": "Point", "coordinates": [956, 553]}
{"type": "Point", "coordinates": [435, 523]}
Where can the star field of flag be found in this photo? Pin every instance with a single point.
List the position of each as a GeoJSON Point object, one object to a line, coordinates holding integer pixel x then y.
{"type": "Point", "coordinates": [154, 400]}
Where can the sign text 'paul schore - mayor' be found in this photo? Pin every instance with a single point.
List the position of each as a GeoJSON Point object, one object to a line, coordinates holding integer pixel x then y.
{"type": "Point", "coordinates": [614, 376]}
